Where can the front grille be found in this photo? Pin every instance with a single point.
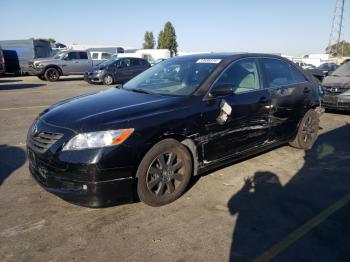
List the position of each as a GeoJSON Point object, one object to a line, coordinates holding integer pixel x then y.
{"type": "Point", "coordinates": [42, 141]}
{"type": "Point", "coordinates": [336, 90]}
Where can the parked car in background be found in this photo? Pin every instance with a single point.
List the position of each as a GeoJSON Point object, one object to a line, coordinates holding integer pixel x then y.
{"type": "Point", "coordinates": [97, 55]}
{"type": "Point", "coordinates": [62, 64]}
{"type": "Point", "coordinates": [118, 70]}
{"type": "Point", "coordinates": [2, 62]}
{"type": "Point", "coordinates": [181, 117]}
{"type": "Point", "coordinates": [317, 73]}
{"type": "Point", "coordinates": [151, 55]}
{"type": "Point", "coordinates": [337, 88]}
{"type": "Point", "coordinates": [18, 53]}
{"type": "Point", "coordinates": [327, 68]}
{"type": "Point", "coordinates": [305, 65]}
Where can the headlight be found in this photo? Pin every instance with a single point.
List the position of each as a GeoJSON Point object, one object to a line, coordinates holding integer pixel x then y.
{"type": "Point", "coordinates": [38, 65]}
{"type": "Point", "coordinates": [98, 139]}
{"type": "Point", "coordinates": [99, 71]}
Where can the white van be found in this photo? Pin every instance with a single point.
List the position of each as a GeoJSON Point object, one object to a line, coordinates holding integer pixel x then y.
{"type": "Point", "coordinates": [96, 55]}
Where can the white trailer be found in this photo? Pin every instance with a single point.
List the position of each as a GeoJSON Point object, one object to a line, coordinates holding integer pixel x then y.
{"type": "Point", "coordinates": [151, 55]}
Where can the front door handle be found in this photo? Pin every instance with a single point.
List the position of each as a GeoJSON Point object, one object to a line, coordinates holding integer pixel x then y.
{"type": "Point", "coordinates": [306, 90]}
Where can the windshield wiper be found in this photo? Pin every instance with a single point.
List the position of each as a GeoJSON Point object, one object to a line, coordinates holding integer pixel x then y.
{"type": "Point", "coordinates": [139, 90]}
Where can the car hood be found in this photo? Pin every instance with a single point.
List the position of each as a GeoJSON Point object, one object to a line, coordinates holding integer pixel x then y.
{"type": "Point", "coordinates": [337, 81]}
{"type": "Point", "coordinates": [46, 60]}
{"type": "Point", "coordinates": [112, 108]}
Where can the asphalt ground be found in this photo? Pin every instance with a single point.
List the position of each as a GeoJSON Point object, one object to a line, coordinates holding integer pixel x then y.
{"type": "Point", "coordinates": [283, 205]}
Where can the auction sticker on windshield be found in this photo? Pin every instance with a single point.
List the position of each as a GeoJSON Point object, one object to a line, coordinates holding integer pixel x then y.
{"type": "Point", "coordinates": [208, 61]}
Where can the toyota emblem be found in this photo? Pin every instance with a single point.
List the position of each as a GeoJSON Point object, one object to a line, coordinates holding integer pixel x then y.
{"type": "Point", "coordinates": [334, 89]}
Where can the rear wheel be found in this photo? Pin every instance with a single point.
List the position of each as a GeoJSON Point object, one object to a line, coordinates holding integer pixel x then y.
{"type": "Point", "coordinates": [164, 173]}
{"type": "Point", "coordinates": [307, 131]}
{"type": "Point", "coordinates": [52, 74]}
{"type": "Point", "coordinates": [108, 80]}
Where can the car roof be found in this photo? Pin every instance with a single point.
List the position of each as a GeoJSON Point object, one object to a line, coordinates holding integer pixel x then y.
{"type": "Point", "coordinates": [224, 55]}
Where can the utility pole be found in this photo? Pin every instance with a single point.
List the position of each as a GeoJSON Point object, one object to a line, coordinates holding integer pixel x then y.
{"type": "Point", "coordinates": [335, 37]}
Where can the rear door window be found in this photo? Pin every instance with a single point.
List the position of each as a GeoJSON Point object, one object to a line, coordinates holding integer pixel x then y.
{"type": "Point", "coordinates": [280, 73]}
{"type": "Point", "coordinates": [95, 56]}
{"type": "Point", "coordinates": [135, 62]}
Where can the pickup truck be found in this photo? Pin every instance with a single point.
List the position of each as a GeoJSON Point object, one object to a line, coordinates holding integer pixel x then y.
{"type": "Point", "coordinates": [65, 63]}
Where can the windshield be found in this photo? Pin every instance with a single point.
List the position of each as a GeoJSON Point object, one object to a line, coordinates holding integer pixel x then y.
{"type": "Point", "coordinates": [343, 70]}
{"type": "Point", "coordinates": [178, 76]}
{"type": "Point", "coordinates": [107, 63]}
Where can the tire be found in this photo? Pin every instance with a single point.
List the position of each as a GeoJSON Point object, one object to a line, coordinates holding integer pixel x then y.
{"type": "Point", "coordinates": [41, 77]}
{"type": "Point", "coordinates": [52, 74]}
{"type": "Point", "coordinates": [164, 173]}
{"type": "Point", "coordinates": [108, 80]}
{"type": "Point", "coordinates": [307, 131]}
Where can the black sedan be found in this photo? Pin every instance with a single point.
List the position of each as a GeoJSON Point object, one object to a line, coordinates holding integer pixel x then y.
{"type": "Point", "coordinates": [118, 70]}
{"type": "Point", "coordinates": [177, 119]}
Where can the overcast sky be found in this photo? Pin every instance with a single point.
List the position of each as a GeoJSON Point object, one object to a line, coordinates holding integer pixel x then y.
{"type": "Point", "coordinates": [279, 26]}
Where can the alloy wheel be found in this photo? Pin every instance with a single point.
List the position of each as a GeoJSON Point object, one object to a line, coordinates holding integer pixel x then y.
{"type": "Point", "coordinates": [52, 74]}
{"type": "Point", "coordinates": [108, 80]}
{"type": "Point", "coordinates": [165, 174]}
{"type": "Point", "coordinates": [308, 129]}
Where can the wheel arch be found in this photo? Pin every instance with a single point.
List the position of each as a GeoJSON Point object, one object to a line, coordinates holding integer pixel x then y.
{"type": "Point", "coordinates": [187, 142]}
{"type": "Point", "coordinates": [53, 66]}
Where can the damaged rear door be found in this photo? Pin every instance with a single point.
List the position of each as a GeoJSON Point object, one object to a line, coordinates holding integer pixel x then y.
{"type": "Point", "coordinates": [289, 94]}
{"type": "Point", "coordinates": [237, 121]}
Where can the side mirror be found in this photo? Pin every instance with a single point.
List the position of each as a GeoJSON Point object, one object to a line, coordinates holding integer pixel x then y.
{"type": "Point", "coordinates": [222, 90]}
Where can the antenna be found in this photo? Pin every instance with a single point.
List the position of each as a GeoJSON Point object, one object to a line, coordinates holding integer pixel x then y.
{"type": "Point", "coordinates": [337, 29]}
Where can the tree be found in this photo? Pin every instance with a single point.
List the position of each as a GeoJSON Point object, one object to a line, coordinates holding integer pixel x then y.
{"type": "Point", "coordinates": [340, 49]}
{"type": "Point", "coordinates": [160, 40]}
{"type": "Point", "coordinates": [149, 41]}
{"type": "Point", "coordinates": [167, 39]}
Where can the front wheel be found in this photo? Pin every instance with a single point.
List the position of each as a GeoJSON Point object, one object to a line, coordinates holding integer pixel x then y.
{"type": "Point", "coordinates": [307, 131]}
{"type": "Point", "coordinates": [52, 74]}
{"type": "Point", "coordinates": [164, 173]}
{"type": "Point", "coordinates": [108, 80]}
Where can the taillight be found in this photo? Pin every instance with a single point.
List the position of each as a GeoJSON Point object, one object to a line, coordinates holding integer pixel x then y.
{"type": "Point", "coordinates": [2, 60]}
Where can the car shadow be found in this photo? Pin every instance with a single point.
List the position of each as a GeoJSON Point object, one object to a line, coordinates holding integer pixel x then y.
{"type": "Point", "coordinates": [307, 219]}
{"type": "Point", "coordinates": [11, 159]}
{"type": "Point", "coordinates": [9, 80]}
{"type": "Point", "coordinates": [20, 86]}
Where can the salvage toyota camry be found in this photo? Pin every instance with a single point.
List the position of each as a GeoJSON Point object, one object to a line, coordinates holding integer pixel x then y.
{"type": "Point", "coordinates": [177, 119]}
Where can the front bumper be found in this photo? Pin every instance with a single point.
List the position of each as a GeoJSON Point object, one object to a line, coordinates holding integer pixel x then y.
{"type": "Point", "coordinates": [93, 77]}
{"type": "Point", "coordinates": [33, 71]}
{"type": "Point", "coordinates": [338, 102]}
{"type": "Point", "coordinates": [81, 191]}
{"type": "Point", "coordinates": [90, 177]}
